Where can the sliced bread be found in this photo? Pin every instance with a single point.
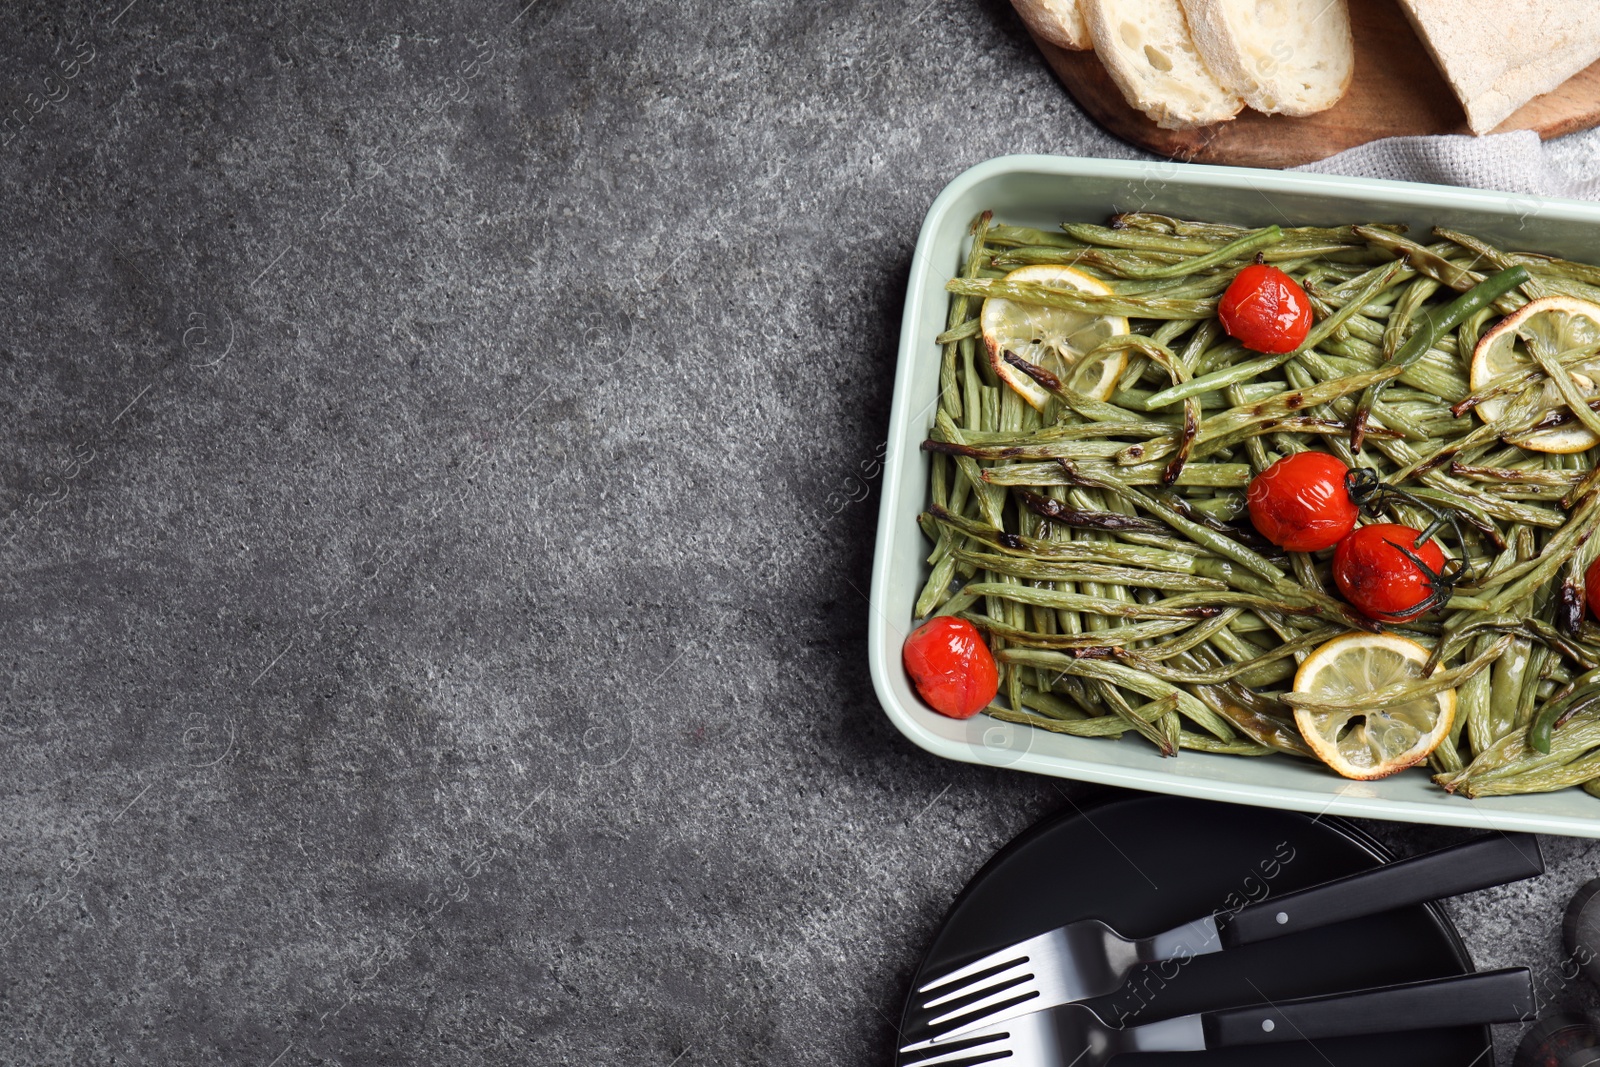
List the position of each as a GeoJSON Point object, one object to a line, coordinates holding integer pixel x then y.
{"type": "Point", "coordinates": [1499, 56]}
{"type": "Point", "coordinates": [1058, 21]}
{"type": "Point", "coordinates": [1148, 51]}
{"type": "Point", "coordinates": [1289, 57]}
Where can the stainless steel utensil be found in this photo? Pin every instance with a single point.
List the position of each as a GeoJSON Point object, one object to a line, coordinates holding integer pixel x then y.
{"type": "Point", "coordinates": [1089, 959]}
{"type": "Point", "coordinates": [1072, 1035]}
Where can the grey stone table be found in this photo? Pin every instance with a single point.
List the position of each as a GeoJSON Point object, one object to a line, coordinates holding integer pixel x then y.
{"type": "Point", "coordinates": [427, 635]}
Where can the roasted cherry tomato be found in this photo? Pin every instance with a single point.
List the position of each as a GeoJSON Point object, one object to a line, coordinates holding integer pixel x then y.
{"type": "Point", "coordinates": [1265, 309]}
{"type": "Point", "coordinates": [951, 667]}
{"type": "Point", "coordinates": [1380, 581]}
{"type": "Point", "coordinates": [1301, 503]}
{"type": "Point", "coordinates": [1591, 585]}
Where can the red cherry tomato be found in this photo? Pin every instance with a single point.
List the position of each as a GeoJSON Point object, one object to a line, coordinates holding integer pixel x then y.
{"type": "Point", "coordinates": [1300, 502]}
{"type": "Point", "coordinates": [1265, 309]}
{"type": "Point", "coordinates": [951, 667]}
{"type": "Point", "coordinates": [1378, 579]}
{"type": "Point", "coordinates": [1591, 585]}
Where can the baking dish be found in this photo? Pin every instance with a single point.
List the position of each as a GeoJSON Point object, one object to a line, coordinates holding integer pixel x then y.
{"type": "Point", "coordinates": [1045, 191]}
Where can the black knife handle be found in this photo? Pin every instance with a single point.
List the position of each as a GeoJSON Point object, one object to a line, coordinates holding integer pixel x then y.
{"type": "Point", "coordinates": [1466, 1000]}
{"type": "Point", "coordinates": [1493, 859]}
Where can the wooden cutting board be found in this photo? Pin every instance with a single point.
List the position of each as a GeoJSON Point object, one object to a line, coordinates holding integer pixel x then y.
{"type": "Point", "coordinates": [1396, 91]}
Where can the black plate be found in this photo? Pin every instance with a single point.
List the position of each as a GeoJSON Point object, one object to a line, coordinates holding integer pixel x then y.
{"type": "Point", "coordinates": [1145, 864]}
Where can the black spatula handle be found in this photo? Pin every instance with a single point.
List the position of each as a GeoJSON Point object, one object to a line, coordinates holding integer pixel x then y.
{"type": "Point", "coordinates": [1467, 1000]}
{"type": "Point", "coordinates": [1492, 859]}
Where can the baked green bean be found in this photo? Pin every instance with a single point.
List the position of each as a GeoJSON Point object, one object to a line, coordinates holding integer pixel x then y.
{"type": "Point", "coordinates": [1100, 540]}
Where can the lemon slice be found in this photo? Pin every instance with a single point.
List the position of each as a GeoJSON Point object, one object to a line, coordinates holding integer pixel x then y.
{"type": "Point", "coordinates": [1371, 744]}
{"type": "Point", "coordinates": [1053, 338]}
{"type": "Point", "coordinates": [1558, 324]}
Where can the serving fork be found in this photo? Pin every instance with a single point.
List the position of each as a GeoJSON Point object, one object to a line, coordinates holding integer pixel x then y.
{"type": "Point", "coordinates": [1088, 958]}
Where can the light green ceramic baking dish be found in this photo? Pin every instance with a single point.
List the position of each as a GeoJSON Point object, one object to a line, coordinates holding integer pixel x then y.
{"type": "Point", "coordinates": [1044, 191]}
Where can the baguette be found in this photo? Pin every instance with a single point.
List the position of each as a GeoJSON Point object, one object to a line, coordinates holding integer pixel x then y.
{"type": "Point", "coordinates": [1058, 21]}
{"type": "Point", "coordinates": [1506, 53]}
{"type": "Point", "coordinates": [1288, 57]}
{"type": "Point", "coordinates": [1148, 51]}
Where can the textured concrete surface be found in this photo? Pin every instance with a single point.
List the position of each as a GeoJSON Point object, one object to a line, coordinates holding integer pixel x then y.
{"type": "Point", "coordinates": [418, 643]}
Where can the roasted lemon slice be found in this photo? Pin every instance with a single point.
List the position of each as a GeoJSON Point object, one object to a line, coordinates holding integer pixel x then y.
{"type": "Point", "coordinates": [1559, 324]}
{"type": "Point", "coordinates": [1370, 744]}
{"type": "Point", "coordinates": [1054, 338]}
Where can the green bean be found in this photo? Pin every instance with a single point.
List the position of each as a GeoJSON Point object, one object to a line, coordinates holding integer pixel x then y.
{"type": "Point", "coordinates": [1138, 631]}
{"type": "Point", "coordinates": [1101, 726]}
{"type": "Point", "coordinates": [1242, 711]}
{"type": "Point", "coordinates": [1584, 655]}
{"type": "Point", "coordinates": [1092, 448]}
{"type": "Point", "coordinates": [1084, 405]}
{"type": "Point", "coordinates": [1465, 627]}
{"type": "Point", "coordinates": [1541, 267]}
{"type": "Point", "coordinates": [1474, 700]}
{"type": "Point", "coordinates": [1511, 764]}
{"type": "Point", "coordinates": [1541, 570]}
{"type": "Point", "coordinates": [1049, 571]}
{"type": "Point", "coordinates": [1205, 443]}
{"type": "Point", "coordinates": [1178, 559]}
{"type": "Point", "coordinates": [1543, 780]}
{"type": "Point", "coordinates": [1242, 248]}
{"type": "Point", "coordinates": [1534, 674]}
{"type": "Point", "coordinates": [1154, 222]}
{"type": "Point", "coordinates": [1127, 267]}
{"type": "Point", "coordinates": [937, 588]}
{"type": "Point", "coordinates": [1416, 292]}
{"type": "Point", "coordinates": [989, 500]}
{"type": "Point", "coordinates": [1254, 368]}
{"type": "Point", "coordinates": [1005, 236]}
{"type": "Point", "coordinates": [1135, 240]}
{"type": "Point", "coordinates": [1557, 376]}
{"type": "Point", "coordinates": [1402, 693]}
{"type": "Point", "coordinates": [1434, 325]}
{"type": "Point", "coordinates": [1093, 543]}
{"type": "Point", "coordinates": [1202, 743]}
{"type": "Point", "coordinates": [1295, 597]}
{"type": "Point", "coordinates": [1199, 534]}
{"type": "Point", "coordinates": [1512, 755]}
{"type": "Point", "coordinates": [1508, 511]}
{"type": "Point", "coordinates": [1502, 475]}
{"type": "Point", "coordinates": [1062, 431]}
{"type": "Point", "coordinates": [1148, 307]}
{"type": "Point", "coordinates": [1061, 512]}
{"type": "Point", "coordinates": [1195, 635]}
{"type": "Point", "coordinates": [1426, 260]}
{"type": "Point", "coordinates": [1161, 731]}
{"type": "Point", "coordinates": [1029, 255]}
{"type": "Point", "coordinates": [949, 392]}
{"type": "Point", "coordinates": [1210, 475]}
{"type": "Point", "coordinates": [1583, 688]}
{"type": "Point", "coordinates": [1185, 605]}
{"type": "Point", "coordinates": [960, 332]}
{"type": "Point", "coordinates": [1163, 357]}
{"type": "Point", "coordinates": [1224, 674]}
{"type": "Point", "coordinates": [1126, 678]}
{"type": "Point", "coordinates": [1515, 381]}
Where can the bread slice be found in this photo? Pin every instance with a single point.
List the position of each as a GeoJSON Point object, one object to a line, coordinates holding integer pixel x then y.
{"type": "Point", "coordinates": [1058, 21]}
{"type": "Point", "coordinates": [1503, 54]}
{"type": "Point", "coordinates": [1149, 53]}
{"type": "Point", "coordinates": [1286, 57]}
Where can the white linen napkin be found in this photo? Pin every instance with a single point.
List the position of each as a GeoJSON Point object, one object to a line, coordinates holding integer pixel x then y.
{"type": "Point", "coordinates": [1513, 162]}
